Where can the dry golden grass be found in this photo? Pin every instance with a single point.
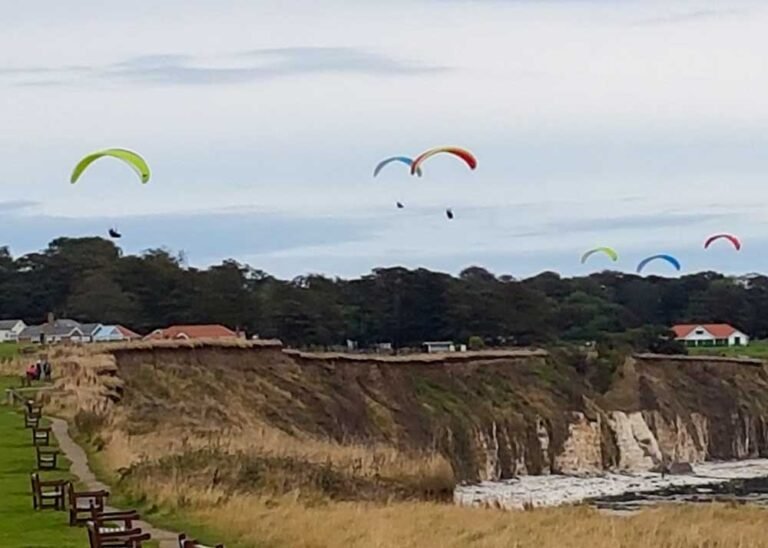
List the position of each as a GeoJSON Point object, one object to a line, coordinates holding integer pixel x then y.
{"type": "Point", "coordinates": [419, 525]}
{"type": "Point", "coordinates": [87, 377]}
{"type": "Point", "coordinates": [289, 522]}
{"type": "Point", "coordinates": [367, 461]}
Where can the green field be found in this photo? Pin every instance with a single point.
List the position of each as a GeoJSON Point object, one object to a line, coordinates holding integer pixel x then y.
{"type": "Point", "coordinates": [20, 525]}
{"type": "Point", "coordinates": [756, 349]}
{"type": "Point", "coordinates": [9, 350]}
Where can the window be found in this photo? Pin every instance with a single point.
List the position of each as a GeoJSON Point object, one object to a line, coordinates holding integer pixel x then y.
{"type": "Point", "coordinates": [699, 331]}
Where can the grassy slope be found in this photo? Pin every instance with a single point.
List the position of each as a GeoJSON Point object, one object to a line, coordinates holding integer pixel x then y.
{"type": "Point", "coordinates": [192, 393]}
{"type": "Point", "coordinates": [163, 516]}
{"type": "Point", "coordinates": [756, 349]}
{"type": "Point", "coordinates": [9, 350]}
{"type": "Point", "coordinates": [20, 526]}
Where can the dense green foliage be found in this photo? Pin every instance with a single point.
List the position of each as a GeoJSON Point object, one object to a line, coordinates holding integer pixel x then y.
{"type": "Point", "coordinates": [88, 279]}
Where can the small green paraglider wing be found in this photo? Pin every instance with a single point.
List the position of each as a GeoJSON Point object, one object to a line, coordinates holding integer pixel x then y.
{"type": "Point", "coordinates": [136, 162]}
{"type": "Point", "coordinates": [606, 250]}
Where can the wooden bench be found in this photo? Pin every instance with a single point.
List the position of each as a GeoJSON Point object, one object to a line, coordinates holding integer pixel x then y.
{"type": "Point", "coordinates": [41, 436]}
{"type": "Point", "coordinates": [47, 459]}
{"type": "Point", "coordinates": [47, 494]}
{"type": "Point", "coordinates": [89, 503]}
{"type": "Point", "coordinates": [100, 537]}
{"type": "Point", "coordinates": [34, 408]}
{"type": "Point", "coordinates": [31, 420]}
{"type": "Point", "coordinates": [185, 542]}
{"type": "Point", "coordinates": [112, 521]}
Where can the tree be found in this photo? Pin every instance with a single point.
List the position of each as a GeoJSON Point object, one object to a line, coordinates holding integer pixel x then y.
{"type": "Point", "coordinates": [88, 278]}
{"type": "Point", "coordinates": [99, 298]}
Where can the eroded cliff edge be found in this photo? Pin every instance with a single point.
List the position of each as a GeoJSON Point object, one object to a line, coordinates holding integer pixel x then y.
{"type": "Point", "coordinates": [493, 415]}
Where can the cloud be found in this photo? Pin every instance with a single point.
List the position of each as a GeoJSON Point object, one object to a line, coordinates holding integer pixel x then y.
{"type": "Point", "coordinates": [689, 16]}
{"type": "Point", "coordinates": [206, 236]}
{"type": "Point", "coordinates": [15, 206]}
{"type": "Point", "coordinates": [634, 222]}
{"type": "Point", "coordinates": [241, 67]}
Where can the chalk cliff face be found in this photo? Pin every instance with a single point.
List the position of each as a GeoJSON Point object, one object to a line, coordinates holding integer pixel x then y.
{"type": "Point", "coordinates": [493, 415]}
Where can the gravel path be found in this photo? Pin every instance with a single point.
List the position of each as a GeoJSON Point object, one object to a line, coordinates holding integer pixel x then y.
{"type": "Point", "coordinates": [75, 453]}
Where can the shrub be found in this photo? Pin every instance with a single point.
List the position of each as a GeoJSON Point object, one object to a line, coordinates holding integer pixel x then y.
{"type": "Point", "coordinates": [476, 343]}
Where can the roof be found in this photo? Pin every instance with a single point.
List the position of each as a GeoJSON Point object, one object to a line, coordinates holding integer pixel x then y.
{"type": "Point", "coordinates": [8, 324]}
{"type": "Point", "coordinates": [64, 322]}
{"type": "Point", "coordinates": [127, 333]}
{"type": "Point", "coordinates": [717, 330]}
{"type": "Point", "coordinates": [56, 329]}
{"type": "Point", "coordinates": [90, 328]}
{"type": "Point", "coordinates": [211, 331]}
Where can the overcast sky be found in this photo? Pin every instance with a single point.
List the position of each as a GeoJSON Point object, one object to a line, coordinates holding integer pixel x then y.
{"type": "Point", "coordinates": [640, 125]}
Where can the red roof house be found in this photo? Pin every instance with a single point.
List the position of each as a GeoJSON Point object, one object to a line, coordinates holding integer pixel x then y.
{"type": "Point", "coordinates": [710, 334]}
{"type": "Point", "coordinates": [127, 334]}
{"type": "Point", "coordinates": [212, 331]}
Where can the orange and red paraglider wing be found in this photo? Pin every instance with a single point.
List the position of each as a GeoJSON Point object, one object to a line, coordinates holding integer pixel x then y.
{"type": "Point", "coordinates": [461, 153]}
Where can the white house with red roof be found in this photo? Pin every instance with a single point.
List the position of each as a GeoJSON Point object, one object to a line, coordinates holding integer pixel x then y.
{"type": "Point", "coordinates": [710, 334]}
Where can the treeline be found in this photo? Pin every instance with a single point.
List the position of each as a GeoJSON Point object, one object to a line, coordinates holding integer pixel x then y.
{"type": "Point", "coordinates": [88, 279]}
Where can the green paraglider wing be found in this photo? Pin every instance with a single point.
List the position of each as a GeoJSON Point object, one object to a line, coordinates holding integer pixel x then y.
{"type": "Point", "coordinates": [607, 250]}
{"type": "Point", "coordinates": [136, 162]}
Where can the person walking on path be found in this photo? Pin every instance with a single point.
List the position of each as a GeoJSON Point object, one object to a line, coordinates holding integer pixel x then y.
{"type": "Point", "coordinates": [31, 372]}
{"type": "Point", "coordinates": [46, 370]}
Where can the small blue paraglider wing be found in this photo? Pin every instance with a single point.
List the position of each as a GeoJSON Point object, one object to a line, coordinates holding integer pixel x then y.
{"type": "Point", "coordinates": [402, 159]}
{"type": "Point", "coordinates": [669, 258]}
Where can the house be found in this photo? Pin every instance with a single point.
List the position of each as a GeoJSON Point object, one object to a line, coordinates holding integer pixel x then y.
{"type": "Point", "coordinates": [711, 334]}
{"type": "Point", "coordinates": [114, 333]}
{"type": "Point", "coordinates": [213, 331]}
{"type": "Point", "coordinates": [128, 335]}
{"type": "Point", "coordinates": [10, 329]}
{"type": "Point", "coordinates": [51, 332]}
{"type": "Point", "coordinates": [439, 346]}
{"type": "Point", "coordinates": [90, 330]}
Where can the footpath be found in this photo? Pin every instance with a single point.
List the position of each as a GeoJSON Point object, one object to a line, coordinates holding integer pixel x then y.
{"type": "Point", "coordinates": [80, 468]}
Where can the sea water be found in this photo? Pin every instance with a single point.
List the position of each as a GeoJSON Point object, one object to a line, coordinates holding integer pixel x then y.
{"type": "Point", "coordinates": [736, 480]}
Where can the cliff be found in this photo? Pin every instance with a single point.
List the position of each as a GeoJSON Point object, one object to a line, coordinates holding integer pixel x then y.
{"type": "Point", "coordinates": [492, 415]}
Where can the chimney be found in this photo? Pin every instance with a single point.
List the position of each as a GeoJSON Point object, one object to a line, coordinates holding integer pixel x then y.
{"type": "Point", "coordinates": [50, 317]}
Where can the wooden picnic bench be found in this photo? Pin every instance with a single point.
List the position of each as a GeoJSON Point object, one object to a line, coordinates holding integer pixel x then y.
{"type": "Point", "coordinates": [31, 420]}
{"type": "Point", "coordinates": [47, 494]}
{"type": "Point", "coordinates": [100, 537]}
{"type": "Point", "coordinates": [41, 435]}
{"type": "Point", "coordinates": [47, 458]}
{"type": "Point", "coordinates": [84, 502]}
{"type": "Point", "coordinates": [185, 542]}
{"type": "Point", "coordinates": [33, 407]}
{"type": "Point", "coordinates": [118, 520]}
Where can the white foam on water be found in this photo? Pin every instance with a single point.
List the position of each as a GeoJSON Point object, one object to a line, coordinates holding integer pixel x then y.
{"type": "Point", "coordinates": [554, 490]}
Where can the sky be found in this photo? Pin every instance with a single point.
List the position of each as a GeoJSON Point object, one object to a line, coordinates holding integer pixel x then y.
{"type": "Point", "coordinates": [639, 125]}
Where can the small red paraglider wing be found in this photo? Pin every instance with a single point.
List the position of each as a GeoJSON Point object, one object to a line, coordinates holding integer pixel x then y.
{"type": "Point", "coordinates": [730, 237]}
